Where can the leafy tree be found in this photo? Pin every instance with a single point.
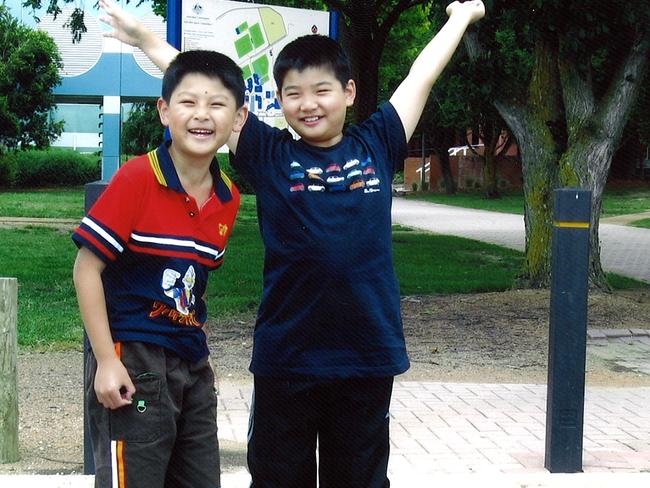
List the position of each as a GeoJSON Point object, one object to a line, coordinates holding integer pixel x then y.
{"type": "Point", "coordinates": [460, 99]}
{"type": "Point", "coordinates": [568, 74]}
{"type": "Point", "coordinates": [142, 131]}
{"type": "Point", "coordinates": [463, 101]}
{"type": "Point", "coordinates": [29, 63]}
{"type": "Point", "coordinates": [412, 31]}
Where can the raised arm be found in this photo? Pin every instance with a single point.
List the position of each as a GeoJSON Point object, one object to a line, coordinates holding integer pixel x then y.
{"type": "Point", "coordinates": [411, 95]}
{"type": "Point", "coordinates": [129, 30]}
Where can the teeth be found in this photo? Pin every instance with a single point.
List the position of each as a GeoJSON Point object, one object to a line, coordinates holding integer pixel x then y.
{"type": "Point", "coordinates": [311, 119]}
{"type": "Point", "coordinates": [200, 131]}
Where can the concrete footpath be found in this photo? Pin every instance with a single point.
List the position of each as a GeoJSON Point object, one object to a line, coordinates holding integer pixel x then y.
{"type": "Point", "coordinates": [624, 250]}
{"type": "Point", "coordinates": [469, 434]}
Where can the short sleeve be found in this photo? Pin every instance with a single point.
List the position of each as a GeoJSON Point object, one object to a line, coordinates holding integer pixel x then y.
{"type": "Point", "coordinates": [107, 227]}
{"type": "Point", "coordinates": [385, 127]}
{"type": "Point", "coordinates": [256, 148]}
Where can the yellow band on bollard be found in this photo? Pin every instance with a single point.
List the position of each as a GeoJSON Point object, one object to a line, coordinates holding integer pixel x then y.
{"type": "Point", "coordinates": [571, 225]}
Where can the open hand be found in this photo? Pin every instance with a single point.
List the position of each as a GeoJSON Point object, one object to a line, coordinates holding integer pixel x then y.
{"type": "Point", "coordinates": [474, 9]}
{"type": "Point", "coordinates": [126, 27]}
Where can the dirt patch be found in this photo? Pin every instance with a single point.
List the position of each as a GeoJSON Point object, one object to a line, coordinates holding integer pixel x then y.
{"type": "Point", "coordinates": [489, 337]}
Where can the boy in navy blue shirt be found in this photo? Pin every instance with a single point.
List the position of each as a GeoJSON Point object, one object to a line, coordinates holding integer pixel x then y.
{"type": "Point", "coordinates": [328, 339]}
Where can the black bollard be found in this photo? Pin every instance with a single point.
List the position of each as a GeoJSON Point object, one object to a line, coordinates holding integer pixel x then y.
{"type": "Point", "coordinates": [92, 192]}
{"type": "Point", "coordinates": [567, 331]}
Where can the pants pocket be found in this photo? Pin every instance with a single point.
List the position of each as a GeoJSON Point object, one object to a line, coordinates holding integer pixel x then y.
{"type": "Point", "coordinates": [141, 420]}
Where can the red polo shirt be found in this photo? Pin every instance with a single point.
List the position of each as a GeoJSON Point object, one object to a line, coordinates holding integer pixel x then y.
{"type": "Point", "coordinates": [159, 246]}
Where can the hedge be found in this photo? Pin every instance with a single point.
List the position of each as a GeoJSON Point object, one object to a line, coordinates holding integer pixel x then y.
{"type": "Point", "coordinates": [47, 168]}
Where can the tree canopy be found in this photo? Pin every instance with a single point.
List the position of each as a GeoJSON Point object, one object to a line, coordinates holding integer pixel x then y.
{"type": "Point", "coordinates": [29, 64]}
{"type": "Point", "coordinates": [142, 131]}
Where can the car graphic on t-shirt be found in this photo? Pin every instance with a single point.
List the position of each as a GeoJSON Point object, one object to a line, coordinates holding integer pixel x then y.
{"type": "Point", "coordinates": [351, 164]}
{"type": "Point", "coordinates": [335, 179]}
{"type": "Point", "coordinates": [298, 187]}
{"type": "Point", "coordinates": [357, 184]}
{"type": "Point", "coordinates": [372, 182]}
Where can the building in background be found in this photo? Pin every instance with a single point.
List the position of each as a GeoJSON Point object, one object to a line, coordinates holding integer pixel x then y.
{"type": "Point", "coordinates": [101, 77]}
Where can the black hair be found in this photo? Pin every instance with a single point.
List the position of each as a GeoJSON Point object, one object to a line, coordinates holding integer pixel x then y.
{"type": "Point", "coordinates": [209, 63]}
{"type": "Point", "coordinates": [312, 51]}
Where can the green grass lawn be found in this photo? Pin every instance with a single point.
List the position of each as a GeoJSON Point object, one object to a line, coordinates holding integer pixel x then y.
{"type": "Point", "coordinates": [615, 202]}
{"type": "Point", "coordinates": [68, 203]}
{"type": "Point", "coordinates": [643, 223]}
{"type": "Point", "coordinates": [53, 203]}
{"type": "Point", "coordinates": [42, 258]}
{"type": "Point", "coordinates": [626, 201]}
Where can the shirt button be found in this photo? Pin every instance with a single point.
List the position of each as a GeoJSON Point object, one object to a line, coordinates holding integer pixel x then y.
{"type": "Point", "coordinates": [191, 214]}
{"type": "Point", "coordinates": [187, 199]}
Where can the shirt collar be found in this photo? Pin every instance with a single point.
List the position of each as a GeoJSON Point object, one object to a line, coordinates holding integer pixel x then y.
{"type": "Point", "coordinates": [166, 175]}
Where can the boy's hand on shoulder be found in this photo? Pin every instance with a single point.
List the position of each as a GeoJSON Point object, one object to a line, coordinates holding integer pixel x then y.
{"type": "Point", "coordinates": [473, 9]}
{"type": "Point", "coordinates": [126, 27]}
{"type": "Point", "coordinates": [113, 386]}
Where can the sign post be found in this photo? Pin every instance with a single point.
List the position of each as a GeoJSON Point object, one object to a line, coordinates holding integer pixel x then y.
{"type": "Point", "coordinates": [567, 331]}
{"type": "Point", "coordinates": [8, 370]}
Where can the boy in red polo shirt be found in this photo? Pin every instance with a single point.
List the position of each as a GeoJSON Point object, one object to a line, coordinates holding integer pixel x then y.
{"type": "Point", "coordinates": [145, 250]}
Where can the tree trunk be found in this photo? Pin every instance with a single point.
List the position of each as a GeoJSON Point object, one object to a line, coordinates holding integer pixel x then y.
{"type": "Point", "coordinates": [539, 167]}
{"type": "Point", "coordinates": [443, 139]}
{"type": "Point", "coordinates": [490, 176]}
{"type": "Point", "coordinates": [579, 157]}
{"type": "Point", "coordinates": [490, 162]}
{"type": "Point", "coordinates": [538, 130]}
{"type": "Point", "coordinates": [8, 372]}
{"type": "Point", "coordinates": [595, 133]}
{"type": "Point", "coordinates": [359, 41]}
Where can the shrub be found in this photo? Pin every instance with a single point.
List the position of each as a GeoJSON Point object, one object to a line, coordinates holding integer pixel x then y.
{"type": "Point", "coordinates": [6, 170]}
{"type": "Point", "coordinates": [52, 167]}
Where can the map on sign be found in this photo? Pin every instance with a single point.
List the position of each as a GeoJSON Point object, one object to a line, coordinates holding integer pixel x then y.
{"type": "Point", "coordinates": [252, 35]}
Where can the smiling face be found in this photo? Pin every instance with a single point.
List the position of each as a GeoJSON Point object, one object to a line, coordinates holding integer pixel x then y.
{"type": "Point", "coordinates": [201, 115]}
{"type": "Point", "coordinates": [314, 103]}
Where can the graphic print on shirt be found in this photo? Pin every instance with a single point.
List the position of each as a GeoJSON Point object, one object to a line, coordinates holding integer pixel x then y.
{"type": "Point", "coordinates": [350, 175]}
{"type": "Point", "coordinates": [180, 292]}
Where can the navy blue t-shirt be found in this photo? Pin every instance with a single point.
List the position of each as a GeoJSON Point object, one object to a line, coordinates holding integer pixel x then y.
{"type": "Point", "coordinates": [330, 307]}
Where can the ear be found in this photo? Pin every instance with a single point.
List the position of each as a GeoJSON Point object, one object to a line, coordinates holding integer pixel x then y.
{"type": "Point", "coordinates": [240, 119]}
{"type": "Point", "coordinates": [163, 108]}
{"type": "Point", "coordinates": [350, 90]}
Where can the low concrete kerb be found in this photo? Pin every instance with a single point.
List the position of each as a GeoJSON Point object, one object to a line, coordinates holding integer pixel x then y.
{"type": "Point", "coordinates": [485, 480]}
{"type": "Point", "coordinates": [596, 334]}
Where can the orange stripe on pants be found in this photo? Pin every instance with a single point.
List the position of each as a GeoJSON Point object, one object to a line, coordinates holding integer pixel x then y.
{"type": "Point", "coordinates": [121, 468]}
